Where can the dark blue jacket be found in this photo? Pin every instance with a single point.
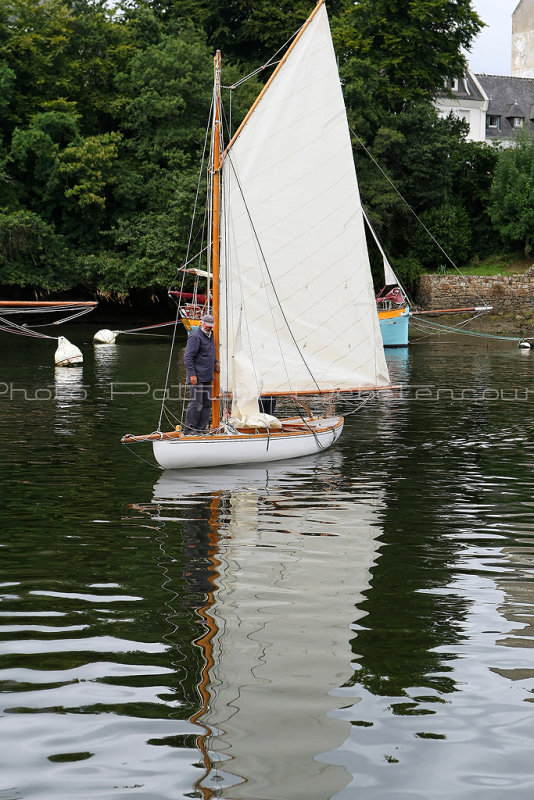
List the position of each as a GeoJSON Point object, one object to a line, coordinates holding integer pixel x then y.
{"type": "Point", "coordinates": [199, 356]}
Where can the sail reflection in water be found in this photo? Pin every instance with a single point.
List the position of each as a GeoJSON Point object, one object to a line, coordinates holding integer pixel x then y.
{"type": "Point", "coordinates": [292, 549]}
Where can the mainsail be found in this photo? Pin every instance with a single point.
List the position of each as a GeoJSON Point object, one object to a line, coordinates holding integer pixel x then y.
{"type": "Point", "coordinates": [293, 242]}
{"type": "Point", "coordinates": [292, 288]}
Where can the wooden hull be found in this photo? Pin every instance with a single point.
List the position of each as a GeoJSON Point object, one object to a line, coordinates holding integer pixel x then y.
{"type": "Point", "coordinates": [394, 326]}
{"type": "Point", "coordinates": [298, 438]}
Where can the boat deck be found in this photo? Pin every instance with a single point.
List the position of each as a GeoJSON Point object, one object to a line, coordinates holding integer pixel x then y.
{"type": "Point", "coordinates": [290, 426]}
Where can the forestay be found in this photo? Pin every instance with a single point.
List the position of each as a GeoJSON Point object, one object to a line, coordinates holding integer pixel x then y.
{"type": "Point", "coordinates": [294, 258]}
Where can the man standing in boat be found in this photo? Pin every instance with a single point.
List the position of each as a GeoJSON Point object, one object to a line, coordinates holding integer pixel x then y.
{"type": "Point", "coordinates": [201, 362]}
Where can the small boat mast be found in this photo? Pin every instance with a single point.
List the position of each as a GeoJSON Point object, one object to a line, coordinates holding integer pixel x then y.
{"type": "Point", "coordinates": [215, 229]}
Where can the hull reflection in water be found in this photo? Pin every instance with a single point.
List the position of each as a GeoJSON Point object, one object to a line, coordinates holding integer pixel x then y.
{"type": "Point", "coordinates": [292, 550]}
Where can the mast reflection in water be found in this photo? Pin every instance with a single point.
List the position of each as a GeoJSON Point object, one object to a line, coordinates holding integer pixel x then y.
{"type": "Point", "coordinates": [284, 580]}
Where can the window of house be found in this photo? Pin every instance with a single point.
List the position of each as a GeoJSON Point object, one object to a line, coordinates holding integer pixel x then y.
{"type": "Point", "coordinates": [517, 122]}
{"type": "Point", "coordinates": [493, 121]}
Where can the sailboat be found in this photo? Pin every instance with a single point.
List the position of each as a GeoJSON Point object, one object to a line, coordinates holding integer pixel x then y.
{"type": "Point", "coordinates": [286, 220]}
{"type": "Point", "coordinates": [391, 301]}
{"type": "Point", "coordinates": [192, 305]}
{"type": "Point", "coordinates": [393, 304]}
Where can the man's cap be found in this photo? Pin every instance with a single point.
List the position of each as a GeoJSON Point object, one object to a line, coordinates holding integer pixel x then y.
{"type": "Point", "coordinates": [208, 320]}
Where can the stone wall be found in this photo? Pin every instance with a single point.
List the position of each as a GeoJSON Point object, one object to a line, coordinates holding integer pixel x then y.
{"type": "Point", "coordinates": [506, 293]}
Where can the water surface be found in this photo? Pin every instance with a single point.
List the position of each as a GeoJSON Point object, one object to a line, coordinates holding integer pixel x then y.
{"type": "Point", "coordinates": [353, 625]}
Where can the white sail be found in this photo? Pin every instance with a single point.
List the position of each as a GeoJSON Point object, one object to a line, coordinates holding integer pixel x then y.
{"type": "Point", "coordinates": [390, 278]}
{"type": "Point", "coordinates": [293, 266]}
{"type": "Point", "coordinates": [293, 253]}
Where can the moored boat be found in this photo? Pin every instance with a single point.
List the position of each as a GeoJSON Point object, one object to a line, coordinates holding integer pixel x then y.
{"type": "Point", "coordinates": [286, 215]}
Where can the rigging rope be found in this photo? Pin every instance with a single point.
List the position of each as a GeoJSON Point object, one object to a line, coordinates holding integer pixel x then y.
{"type": "Point", "coordinates": [41, 310]}
{"type": "Point", "coordinates": [269, 63]}
{"type": "Point", "coordinates": [150, 463]}
{"type": "Point", "coordinates": [187, 261]}
{"type": "Point", "coordinates": [22, 330]}
{"type": "Point", "coordinates": [439, 328]}
{"type": "Point", "coordinates": [419, 220]}
{"type": "Point", "coordinates": [264, 260]}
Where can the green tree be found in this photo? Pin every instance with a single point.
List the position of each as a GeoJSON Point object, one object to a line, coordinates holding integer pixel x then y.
{"type": "Point", "coordinates": [474, 168]}
{"type": "Point", "coordinates": [7, 82]}
{"type": "Point", "coordinates": [512, 193]}
{"type": "Point", "coordinates": [167, 96]}
{"type": "Point", "coordinates": [104, 108]}
{"type": "Point", "coordinates": [63, 176]}
{"type": "Point", "coordinates": [34, 42]}
{"type": "Point", "coordinates": [249, 31]}
{"type": "Point", "coordinates": [87, 165]}
{"type": "Point", "coordinates": [70, 50]}
{"type": "Point", "coordinates": [413, 44]}
{"type": "Point", "coordinates": [450, 226]}
{"type": "Point", "coordinates": [101, 44]}
{"type": "Point", "coordinates": [33, 159]}
{"type": "Point", "coordinates": [31, 253]}
{"type": "Point", "coordinates": [415, 180]}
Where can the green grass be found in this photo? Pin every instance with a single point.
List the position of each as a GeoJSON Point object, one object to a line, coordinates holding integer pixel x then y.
{"type": "Point", "coordinates": [495, 265]}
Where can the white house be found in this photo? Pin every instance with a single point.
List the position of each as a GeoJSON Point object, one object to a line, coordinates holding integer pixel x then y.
{"type": "Point", "coordinates": [465, 98]}
{"type": "Point", "coordinates": [498, 106]}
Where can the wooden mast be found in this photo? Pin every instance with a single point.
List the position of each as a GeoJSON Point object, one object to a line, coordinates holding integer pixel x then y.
{"type": "Point", "coordinates": [215, 232]}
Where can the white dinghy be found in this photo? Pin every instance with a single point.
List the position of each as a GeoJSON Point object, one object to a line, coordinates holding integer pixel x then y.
{"type": "Point", "coordinates": [287, 232]}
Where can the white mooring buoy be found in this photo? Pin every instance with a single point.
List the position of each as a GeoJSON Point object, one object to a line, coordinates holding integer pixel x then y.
{"type": "Point", "coordinates": [524, 346]}
{"type": "Point", "coordinates": [67, 354]}
{"type": "Point", "coordinates": [105, 336]}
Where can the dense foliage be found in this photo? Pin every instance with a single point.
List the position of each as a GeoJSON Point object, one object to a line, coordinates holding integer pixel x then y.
{"type": "Point", "coordinates": [512, 194]}
{"type": "Point", "coordinates": [103, 114]}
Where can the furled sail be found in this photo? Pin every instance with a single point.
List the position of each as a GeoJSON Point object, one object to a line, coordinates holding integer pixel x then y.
{"type": "Point", "coordinates": [246, 391]}
{"type": "Point", "coordinates": [293, 252]}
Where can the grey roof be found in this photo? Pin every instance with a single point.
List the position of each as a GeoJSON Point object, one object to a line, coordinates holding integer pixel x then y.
{"type": "Point", "coordinates": [467, 89]}
{"type": "Point", "coordinates": [508, 97]}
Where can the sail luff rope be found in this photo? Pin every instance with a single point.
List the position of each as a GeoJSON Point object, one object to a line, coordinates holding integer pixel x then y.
{"type": "Point", "coordinates": [227, 304]}
{"type": "Point", "coordinates": [223, 300]}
